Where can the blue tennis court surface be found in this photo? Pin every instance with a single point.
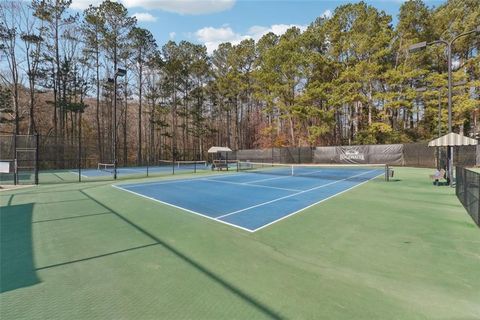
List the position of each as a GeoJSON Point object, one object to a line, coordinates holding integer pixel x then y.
{"type": "Point", "coordinates": [250, 201]}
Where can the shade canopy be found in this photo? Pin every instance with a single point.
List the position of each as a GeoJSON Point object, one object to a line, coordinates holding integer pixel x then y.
{"type": "Point", "coordinates": [219, 149]}
{"type": "Point", "coordinates": [451, 140]}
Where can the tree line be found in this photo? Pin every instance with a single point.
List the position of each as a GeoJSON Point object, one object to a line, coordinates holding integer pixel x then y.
{"type": "Point", "coordinates": [346, 79]}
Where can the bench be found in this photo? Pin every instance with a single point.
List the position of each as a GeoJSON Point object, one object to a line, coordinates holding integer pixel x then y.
{"type": "Point", "coordinates": [220, 166]}
{"type": "Point", "coordinates": [438, 175]}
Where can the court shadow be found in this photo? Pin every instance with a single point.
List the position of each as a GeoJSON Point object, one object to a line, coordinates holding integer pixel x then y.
{"type": "Point", "coordinates": [17, 268]}
{"type": "Point", "coordinates": [199, 267]}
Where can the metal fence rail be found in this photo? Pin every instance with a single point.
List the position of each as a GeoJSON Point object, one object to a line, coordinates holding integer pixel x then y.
{"type": "Point", "coordinates": [468, 191]}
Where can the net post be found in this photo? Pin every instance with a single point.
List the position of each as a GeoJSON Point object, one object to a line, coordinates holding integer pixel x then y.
{"type": "Point", "coordinates": [387, 173]}
{"type": "Point", "coordinates": [15, 169]}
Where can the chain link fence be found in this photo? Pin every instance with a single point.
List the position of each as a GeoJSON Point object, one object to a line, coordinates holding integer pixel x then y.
{"type": "Point", "coordinates": [33, 159]}
{"type": "Point", "coordinates": [467, 189]}
{"type": "Point", "coordinates": [276, 155]}
{"type": "Point", "coordinates": [419, 155]}
{"type": "Point", "coordinates": [51, 159]}
{"type": "Point", "coordinates": [19, 154]}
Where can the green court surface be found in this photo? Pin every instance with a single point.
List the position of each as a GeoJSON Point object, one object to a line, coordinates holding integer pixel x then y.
{"type": "Point", "coordinates": [403, 249]}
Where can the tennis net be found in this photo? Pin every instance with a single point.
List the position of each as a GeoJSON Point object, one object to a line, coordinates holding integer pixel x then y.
{"type": "Point", "coordinates": [183, 164]}
{"type": "Point", "coordinates": [108, 167]}
{"type": "Point", "coordinates": [354, 172]}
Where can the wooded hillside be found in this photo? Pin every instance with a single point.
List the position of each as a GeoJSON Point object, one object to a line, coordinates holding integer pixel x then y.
{"type": "Point", "coordinates": [347, 79]}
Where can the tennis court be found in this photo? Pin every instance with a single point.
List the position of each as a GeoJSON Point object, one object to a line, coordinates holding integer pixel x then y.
{"type": "Point", "coordinates": [260, 194]}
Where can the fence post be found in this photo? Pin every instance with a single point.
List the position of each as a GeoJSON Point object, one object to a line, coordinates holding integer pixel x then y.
{"type": "Point", "coordinates": [174, 152]}
{"type": "Point", "coordinates": [478, 206]}
{"type": "Point", "coordinates": [226, 159]}
{"type": "Point", "coordinates": [147, 160]}
{"type": "Point", "coordinates": [80, 149]}
{"type": "Point", "coordinates": [465, 185]}
{"type": "Point", "coordinates": [36, 157]}
{"type": "Point", "coordinates": [15, 170]}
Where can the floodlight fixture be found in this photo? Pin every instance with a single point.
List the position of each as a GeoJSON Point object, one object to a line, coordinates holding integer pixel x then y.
{"type": "Point", "coordinates": [421, 89]}
{"type": "Point", "coordinates": [120, 72]}
{"type": "Point", "coordinates": [417, 46]}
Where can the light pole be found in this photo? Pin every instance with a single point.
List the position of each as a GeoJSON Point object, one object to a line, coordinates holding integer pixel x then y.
{"type": "Point", "coordinates": [422, 45]}
{"type": "Point", "coordinates": [119, 73]}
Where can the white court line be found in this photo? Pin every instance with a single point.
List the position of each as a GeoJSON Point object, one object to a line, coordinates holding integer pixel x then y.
{"type": "Point", "coordinates": [76, 173]}
{"type": "Point", "coordinates": [159, 182]}
{"type": "Point", "coordinates": [248, 184]}
{"type": "Point", "coordinates": [261, 180]}
{"type": "Point", "coordinates": [311, 172]}
{"type": "Point", "coordinates": [178, 207]}
{"type": "Point", "coordinates": [292, 195]}
{"type": "Point", "coordinates": [313, 204]}
{"type": "Point", "coordinates": [119, 170]}
{"type": "Point", "coordinates": [108, 173]}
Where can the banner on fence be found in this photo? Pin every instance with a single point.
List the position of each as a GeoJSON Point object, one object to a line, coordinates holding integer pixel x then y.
{"type": "Point", "coordinates": [385, 154]}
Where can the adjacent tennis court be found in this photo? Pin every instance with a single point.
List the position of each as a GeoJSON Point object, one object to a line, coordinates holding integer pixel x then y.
{"type": "Point", "coordinates": [163, 166]}
{"type": "Point", "coordinates": [258, 196]}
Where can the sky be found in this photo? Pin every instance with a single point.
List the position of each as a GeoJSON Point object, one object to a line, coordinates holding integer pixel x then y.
{"type": "Point", "coordinates": [212, 22]}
